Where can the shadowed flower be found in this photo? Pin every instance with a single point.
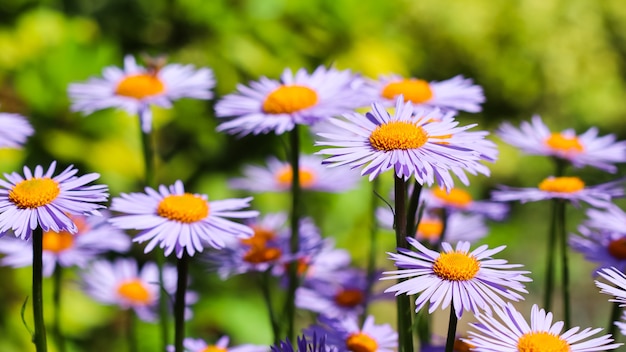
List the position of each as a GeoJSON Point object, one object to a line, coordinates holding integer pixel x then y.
{"type": "Point", "coordinates": [511, 333]}
{"type": "Point", "coordinates": [469, 280]}
{"type": "Point", "coordinates": [178, 221]}
{"type": "Point", "coordinates": [304, 344]}
{"type": "Point", "coordinates": [135, 88]}
{"type": "Point", "coordinates": [456, 93]}
{"type": "Point", "coordinates": [580, 150]}
{"type": "Point", "coordinates": [200, 345]}
{"type": "Point", "coordinates": [347, 335]}
{"type": "Point", "coordinates": [409, 144]}
{"type": "Point", "coordinates": [41, 199]}
{"type": "Point", "coordinates": [14, 129]}
{"type": "Point", "coordinates": [277, 177]}
{"type": "Point", "coordinates": [278, 105]}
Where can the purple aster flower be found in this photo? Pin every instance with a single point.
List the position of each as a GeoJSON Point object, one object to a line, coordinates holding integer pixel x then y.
{"type": "Point", "coordinates": [617, 278]}
{"type": "Point", "coordinates": [606, 248]}
{"type": "Point", "coordinates": [94, 236]}
{"type": "Point", "coordinates": [508, 331]}
{"type": "Point", "coordinates": [610, 218]}
{"type": "Point", "coordinates": [278, 105]}
{"type": "Point", "coordinates": [457, 199]}
{"type": "Point", "coordinates": [135, 88]}
{"type": "Point", "coordinates": [277, 177]}
{"type": "Point", "coordinates": [569, 188]}
{"type": "Point", "coordinates": [347, 335]}
{"type": "Point", "coordinates": [457, 93]}
{"type": "Point", "coordinates": [41, 199]}
{"type": "Point", "coordinates": [14, 130]}
{"type": "Point", "coordinates": [580, 150]}
{"type": "Point", "coordinates": [329, 264]}
{"type": "Point", "coordinates": [304, 344]}
{"type": "Point", "coordinates": [468, 280]}
{"type": "Point", "coordinates": [200, 345]}
{"type": "Point", "coordinates": [178, 221]}
{"type": "Point", "coordinates": [411, 142]}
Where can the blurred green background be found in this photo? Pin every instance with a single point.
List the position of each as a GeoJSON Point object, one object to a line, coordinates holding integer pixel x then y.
{"type": "Point", "coordinates": [564, 60]}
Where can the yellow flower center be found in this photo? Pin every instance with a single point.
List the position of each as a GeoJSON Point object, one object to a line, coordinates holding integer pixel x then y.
{"type": "Point", "coordinates": [307, 177]}
{"type": "Point", "coordinates": [563, 143]}
{"type": "Point", "coordinates": [429, 229]}
{"type": "Point", "coordinates": [185, 208]}
{"type": "Point", "coordinates": [456, 266]}
{"type": "Point", "coordinates": [135, 291]}
{"type": "Point", "coordinates": [456, 197]}
{"type": "Point", "coordinates": [213, 348]}
{"type": "Point", "coordinates": [617, 248]}
{"type": "Point", "coordinates": [413, 90]}
{"type": "Point", "coordinates": [541, 341]}
{"type": "Point", "coordinates": [361, 342]}
{"type": "Point", "coordinates": [288, 99]}
{"type": "Point", "coordinates": [140, 86]}
{"type": "Point", "coordinates": [57, 242]}
{"type": "Point", "coordinates": [34, 193]}
{"type": "Point", "coordinates": [564, 184]}
{"type": "Point", "coordinates": [349, 298]}
{"type": "Point", "coordinates": [397, 135]}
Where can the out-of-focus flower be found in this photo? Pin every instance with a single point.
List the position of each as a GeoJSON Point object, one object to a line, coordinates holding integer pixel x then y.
{"type": "Point", "coordinates": [347, 335]}
{"type": "Point", "coordinates": [179, 221]}
{"type": "Point", "coordinates": [14, 130]}
{"type": "Point", "coordinates": [511, 333]}
{"type": "Point", "coordinates": [469, 280]}
{"type": "Point", "coordinates": [580, 150]}
{"type": "Point", "coordinates": [200, 345]}
{"type": "Point", "coordinates": [135, 88]}
{"type": "Point", "coordinates": [457, 93]}
{"type": "Point", "coordinates": [610, 218]}
{"type": "Point", "coordinates": [94, 236]}
{"type": "Point", "coordinates": [41, 199]}
{"type": "Point", "coordinates": [606, 248]}
{"type": "Point", "coordinates": [278, 175]}
{"type": "Point", "coordinates": [457, 199]}
{"type": "Point", "coordinates": [278, 105]}
{"type": "Point", "coordinates": [315, 343]}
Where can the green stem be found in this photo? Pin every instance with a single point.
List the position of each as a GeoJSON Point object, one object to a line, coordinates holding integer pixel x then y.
{"type": "Point", "coordinates": [451, 330]}
{"type": "Point", "coordinates": [444, 227]}
{"type": "Point", "coordinates": [550, 250]}
{"type": "Point", "coordinates": [131, 332]}
{"type": "Point", "coordinates": [371, 256]}
{"type": "Point", "coordinates": [414, 201]}
{"type": "Point", "coordinates": [615, 312]}
{"type": "Point", "coordinates": [56, 299]}
{"type": "Point", "coordinates": [403, 302]}
{"type": "Point", "coordinates": [39, 337]}
{"type": "Point", "coordinates": [267, 297]}
{"type": "Point", "coordinates": [179, 304]}
{"type": "Point", "coordinates": [562, 238]}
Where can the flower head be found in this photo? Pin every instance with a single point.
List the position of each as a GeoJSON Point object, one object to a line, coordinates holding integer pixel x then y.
{"type": "Point", "coordinates": [347, 335]}
{"type": "Point", "coordinates": [580, 150]}
{"type": "Point", "coordinates": [15, 129]}
{"type": "Point", "coordinates": [617, 278]}
{"type": "Point", "coordinates": [606, 248]}
{"type": "Point", "coordinates": [200, 345]}
{"type": "Point", "coordinates": [511, 333]}
{"type": "Point", "coordinates": [456, 93]}
{"type": "Point", "coordinates": [179, 221]}
{"type": "Point", "coordinates": [409, 142]}
{"type": "Point", "coordinates": [460, 200]}
{"type": "Point", "coordinates": [41, 199]}
{"type": "Point", "coordinates": [277, 177]}
{"type": "Point", "coordinates": [135, 88]}
{"type": "Point", "coordinates": [468, 280]}
{"type": "Point", "coordinates": [278, 105]}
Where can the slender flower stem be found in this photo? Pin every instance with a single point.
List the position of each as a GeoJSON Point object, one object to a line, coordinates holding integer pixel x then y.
{"type": "Point", "coordinates": [131, 333]}
{"type": "Point", "coordinates": [371, 257]}
{"type": "Point", "coordinates": [562, 238]}
{"type": "Point", "coordinates": [294, 241]}
{"type": "Point", "coordinates": [445, 215]}
{"type": "Point", "coordinates": [56, 299]}
{"type": "Point", "coordinates": [451, 330]}
{"type": "Point", "coordinates": [179, 304]}
{"type": "Point", "coordinates": [265, 290]}
{"type": "Point", "coordinates": [615, 312]}
{"type": "Point", "coordinates": [550, 257]}
{"type": "Point", "coordinates": [39, 337]}
{"type": "Point", "coordinates": [403, 302]}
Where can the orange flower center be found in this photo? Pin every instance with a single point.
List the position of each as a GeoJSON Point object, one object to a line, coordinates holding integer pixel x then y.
{"type": "Point", "coordinates": [361, 342]}
{"type": "Point", "coordinates": [135, 291]}
{"type": "Point", "coordinates": [462, 346]}
{"type": "Point", "coordinates": [349, 297]}
{"type": "Point", "coordinates": [260, 237]}
{"type": "Point", "coordinates": [307, 177]}
{"type": "Point", "coordinates": [413, 90]}
{"type": "Point", "coordinates": [258, 255]}
{"type": "Point", "coordinates": [617, 248]}
{"type": "Point", "coordinates": [185, 208]}
{"type": "Point", "coordinates": [288, 99]}
{"type": "Point", "coordinates": [541, 341]}
{"type": "Point", "coordinates": [34, 192]}
{"type": "Point", "coordinates": [456, 197]}
{"type": "Point", "coordinates": [429, 229]}
{"type": "Point", "coordinates": [456, 266]}
{"type": "Point", "coordinates": [562, 184]}
{"type": "Point", "coordinates": [396, 135]}
{"type": "Point", "coordinates": [213, 348]}
{"type": "Point", "coordinates": [140, 86]}
{"type": "Point", "coordinates": [563, 143]}
{"type": "Point", "coordinates": [57, 242]}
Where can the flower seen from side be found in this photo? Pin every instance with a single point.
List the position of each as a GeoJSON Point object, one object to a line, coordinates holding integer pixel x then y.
{"type": "Point", "coordinates": [40, 199]}
{"type": "Point", "coordinates": [468, 280]}
{"type": "Point", "coordinates": [278, 175]}
{"type": "Point", "coordinates": [134, 88]}
{"type": "Point", "coordinates": [347, 335]}
{"type": "Point", "coordinates": [221, 345]}
{"type": "Point", "coordinates": [586, 149]}
{"type": "Point", "coordinates": [278, 105]}
{"type": "Point", "coordinates": [460, 200]}
{"type": "Point", "coordinates": [508, 331]}
{"type": "Point", "coordinates": [179, 221]}
{"type": "Point", "coordinates": [603, 247]}
{"type": "Point", "coordinates": [14, 130]}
